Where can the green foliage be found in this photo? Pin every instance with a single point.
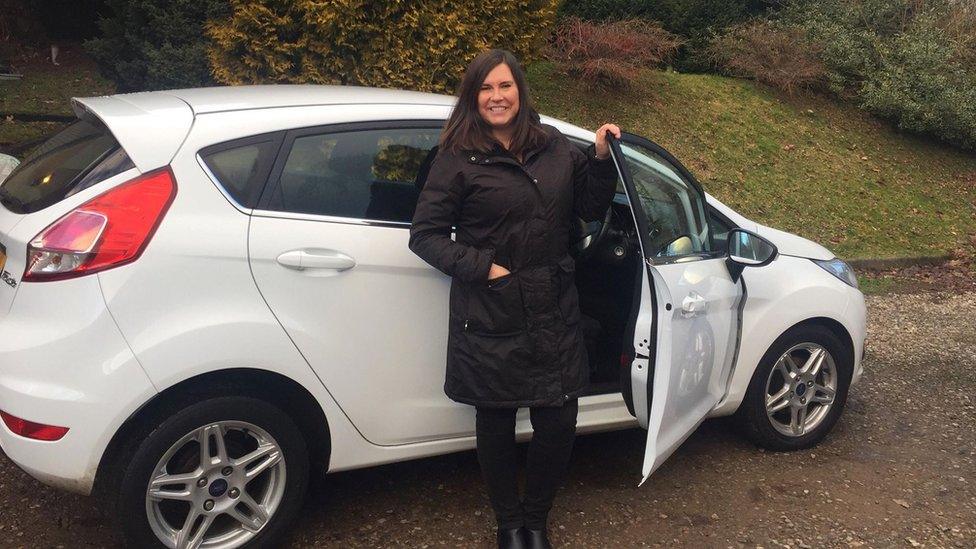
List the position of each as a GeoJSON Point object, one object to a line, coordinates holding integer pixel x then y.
{"type": "Point", "coordinates": [910, 61]}
{"type": "Point", "coordinates": [155, 44]}
{"type": "Point", "coordinates": [694, 20]}
{"type": "Point", "coordinates": [416, 45]}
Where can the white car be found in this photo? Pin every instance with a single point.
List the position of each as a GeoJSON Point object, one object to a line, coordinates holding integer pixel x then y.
{"type": "Point", "coordinates": [207, 294]}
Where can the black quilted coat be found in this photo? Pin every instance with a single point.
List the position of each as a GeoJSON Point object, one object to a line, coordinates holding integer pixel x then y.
{"type": "Point", "coordinates": [515, 341]}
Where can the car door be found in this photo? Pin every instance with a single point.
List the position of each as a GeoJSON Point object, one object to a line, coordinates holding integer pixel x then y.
{"type": "Point", "coordinates": [328, 250]}
{"type": "Point", "coordinates": [686, 333]}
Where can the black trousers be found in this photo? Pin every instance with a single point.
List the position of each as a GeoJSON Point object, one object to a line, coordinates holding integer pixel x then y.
{"type": "Point", "coordinates": [554, 429]}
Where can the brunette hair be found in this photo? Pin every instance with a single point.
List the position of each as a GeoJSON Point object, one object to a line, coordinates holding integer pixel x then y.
{"type": "Point", "coordinates": [466, 130]}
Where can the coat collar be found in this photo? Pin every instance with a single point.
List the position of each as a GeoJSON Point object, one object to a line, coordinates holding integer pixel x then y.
{"type": "Point", "coordinates": [499, 154]}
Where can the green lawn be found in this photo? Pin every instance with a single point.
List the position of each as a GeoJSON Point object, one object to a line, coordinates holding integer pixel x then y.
{"type": "Point", "coordinates": [46, 88]}
{"type": "Point", "coordinates": [807, 165]}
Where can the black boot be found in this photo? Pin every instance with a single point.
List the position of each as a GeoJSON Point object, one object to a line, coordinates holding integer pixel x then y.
{"type": "Point", "coordinates": [537, 539]}
{"type": "Point", "coordinates": [511, 538]}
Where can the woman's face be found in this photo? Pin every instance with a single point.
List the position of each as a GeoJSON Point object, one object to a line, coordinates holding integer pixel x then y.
{"type": "Point", "coordinates": [498, 99]}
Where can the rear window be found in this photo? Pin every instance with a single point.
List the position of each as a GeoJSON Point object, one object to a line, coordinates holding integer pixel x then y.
{"type": "Point", "coordinates": [79, 156]}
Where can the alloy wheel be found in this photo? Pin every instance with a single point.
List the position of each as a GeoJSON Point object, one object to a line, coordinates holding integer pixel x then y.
{"type": "Point", "coordinates": [216, 487]}
{"type": "Point", "coordinates": [800, 389]}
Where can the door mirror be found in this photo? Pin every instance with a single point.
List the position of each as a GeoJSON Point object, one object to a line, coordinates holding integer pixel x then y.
{"type": "Point", "coordinates": [748, 249]}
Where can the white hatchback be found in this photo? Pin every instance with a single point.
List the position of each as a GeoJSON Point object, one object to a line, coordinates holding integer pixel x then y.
{"type": "Point", "coordinates": [207, 294]}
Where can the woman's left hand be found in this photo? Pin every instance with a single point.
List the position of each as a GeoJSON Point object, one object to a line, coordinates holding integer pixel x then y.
{"type": "Point", "coordinates": [602, 147]}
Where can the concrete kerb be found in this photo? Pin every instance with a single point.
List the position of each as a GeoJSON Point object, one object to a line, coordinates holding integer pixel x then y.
{"type": "Point", "coordinates": [882, 264]}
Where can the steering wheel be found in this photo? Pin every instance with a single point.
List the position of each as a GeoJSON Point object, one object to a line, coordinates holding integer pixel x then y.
{"type": "Point", "coordinates": [589, 234]}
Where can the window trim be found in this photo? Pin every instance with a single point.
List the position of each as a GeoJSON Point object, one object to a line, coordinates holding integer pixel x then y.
{"type": "Point", "coordinates": [274, 178]}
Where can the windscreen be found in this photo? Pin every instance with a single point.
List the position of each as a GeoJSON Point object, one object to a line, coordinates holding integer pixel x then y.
{"type": "Point", "coordinates": [77, 157]}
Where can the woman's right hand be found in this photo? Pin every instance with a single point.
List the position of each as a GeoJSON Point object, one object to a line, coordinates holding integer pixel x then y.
{"type": "Point", "coordinates": [496, 271]}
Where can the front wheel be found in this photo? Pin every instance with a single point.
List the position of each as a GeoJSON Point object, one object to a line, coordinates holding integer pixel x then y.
{"type": "Point", "coordinates": [798, 391]}
{"type": "Point", "coordinates": [225, 472]}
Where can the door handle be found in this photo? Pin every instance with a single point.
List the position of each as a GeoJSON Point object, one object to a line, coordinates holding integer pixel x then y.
{"type": "Point", "coordinates": [319, 259]}
{"type": "Point", "coordinates": [693, 304]}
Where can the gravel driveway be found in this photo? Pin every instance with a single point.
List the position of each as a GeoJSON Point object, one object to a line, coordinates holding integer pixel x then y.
{"type": "Point", "coordinates": [898, 471]}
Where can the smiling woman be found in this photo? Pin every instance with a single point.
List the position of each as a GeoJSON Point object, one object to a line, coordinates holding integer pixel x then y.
{"type": "Point", "coordinates": [513, 188]}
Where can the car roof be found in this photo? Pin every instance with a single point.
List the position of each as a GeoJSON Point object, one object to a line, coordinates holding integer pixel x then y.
{"type": "Point", "coordinates": [151, 126]}
{"type": "Point", "coordinates": [234, 98]}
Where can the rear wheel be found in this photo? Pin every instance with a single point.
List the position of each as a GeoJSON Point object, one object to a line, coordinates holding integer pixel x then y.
{"type": "Point", "coordinates": [225, 472]}
{"type": "Point", "coordinates": [798, 391]}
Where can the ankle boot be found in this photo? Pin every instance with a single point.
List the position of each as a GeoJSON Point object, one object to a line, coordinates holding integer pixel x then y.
{"type": "Point", "coordinates": [537, 539]}
{"type": "Point", "coordinates": [511, 538]}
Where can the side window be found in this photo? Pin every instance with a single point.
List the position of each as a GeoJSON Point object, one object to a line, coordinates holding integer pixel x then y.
{"type": "Point", "coordinates": [720, 228]}
{"type": "Point", "coordinates": [674, 208]}
{"type": "Point", "coordinates": [366, 174]}
{"type": "Point", "coordinates": [241, 167]}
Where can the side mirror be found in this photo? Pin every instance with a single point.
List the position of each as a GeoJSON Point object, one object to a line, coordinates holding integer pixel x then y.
{"type": "Point", "coordinates": [748, 249]}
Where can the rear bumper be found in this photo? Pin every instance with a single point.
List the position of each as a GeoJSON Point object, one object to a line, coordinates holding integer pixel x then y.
{"type": "Point", "coordinates": [63, 362]}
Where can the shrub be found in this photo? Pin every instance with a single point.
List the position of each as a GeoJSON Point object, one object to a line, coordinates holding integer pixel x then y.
{"type": "Point", "coordinates": [611, 52]}
{"type": "Point", "coordinates": [417, 45]}
{"type": "Point", "coordinates": [694, 20]}
{"type": "Point", "coordinates": [910, 61]}
{"type": "Point", "coordinates": [154, 44]}
{"type": "Point", "coordinates": [921, 85]}
{"type": "Point", "coordinates": [780, 56]}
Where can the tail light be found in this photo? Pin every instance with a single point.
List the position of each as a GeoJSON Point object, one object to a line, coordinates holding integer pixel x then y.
{"type": "Point", "coordinates": [29, 429]}
{"type": "Point", "coordinates": [109, 230]}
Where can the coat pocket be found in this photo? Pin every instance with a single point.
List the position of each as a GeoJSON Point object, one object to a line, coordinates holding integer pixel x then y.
{"type": "Point", "coordinates": [568, 295]}
{"type": "Point", "coordinates": [495, 308]}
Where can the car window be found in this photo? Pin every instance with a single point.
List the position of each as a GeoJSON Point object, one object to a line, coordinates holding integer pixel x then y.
{"type": "Point", "coordinates": [241, 166]}
{"type": "Point", "coordinates": [720, 228]}
{"type": "Point", "coordinates": [62, 165]}
{"type": "Point", "coordinates": [366, 174]}
{"type": "Point", "coordinates": [673, 207]}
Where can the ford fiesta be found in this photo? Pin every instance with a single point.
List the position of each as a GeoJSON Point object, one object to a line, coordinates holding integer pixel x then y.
{"type": "Point", "coordinates": [207, 297]}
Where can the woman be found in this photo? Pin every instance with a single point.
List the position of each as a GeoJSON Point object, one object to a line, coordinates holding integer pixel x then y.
{"type": "Point", "coordinates": [512, 187]}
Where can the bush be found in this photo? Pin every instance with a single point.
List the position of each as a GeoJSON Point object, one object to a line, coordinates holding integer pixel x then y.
{"type": "Point", "coordinates": [910, 61]}
{"type": "Point", "coordinates": [694, 20]}
{"type": "Point", "coordinates": [418, 45]}
{"type": "Point", "coordinates": [155, 44]}
{"type": "Point", "coordinates": [922, 86]}
{"type": "Point", "coordinates": [610, 53]}
{"type": "Point", "coordinates": [780, 56]}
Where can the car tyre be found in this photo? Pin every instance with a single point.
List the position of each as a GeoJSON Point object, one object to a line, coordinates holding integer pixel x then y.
{"type": "Point", "coordinates": [777, 376]}
{"type": "Point", "coordinates": [240, 419]}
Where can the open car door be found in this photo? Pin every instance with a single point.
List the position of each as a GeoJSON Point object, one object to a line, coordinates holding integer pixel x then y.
{"type": "Point", "coordinates": [686, 332]}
